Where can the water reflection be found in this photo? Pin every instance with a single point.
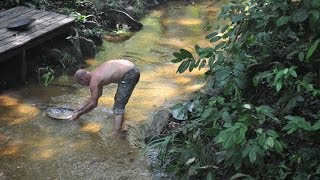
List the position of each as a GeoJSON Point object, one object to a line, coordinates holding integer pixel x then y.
{"type": "Point", "coordinates": [22, 112]}
{"type": "Point", "coordinates": [33, 146]}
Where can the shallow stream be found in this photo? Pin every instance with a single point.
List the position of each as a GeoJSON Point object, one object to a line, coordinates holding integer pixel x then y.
{"type": "Point", "coordinates": [33, 146]}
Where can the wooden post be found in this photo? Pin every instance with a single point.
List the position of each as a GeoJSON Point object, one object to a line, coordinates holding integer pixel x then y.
{"type": "Point", "coordinates": [23, 71]}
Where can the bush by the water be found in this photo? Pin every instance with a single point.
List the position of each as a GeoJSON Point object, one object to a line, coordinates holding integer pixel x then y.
{"type": "Point", "coordinates": [265, 122]}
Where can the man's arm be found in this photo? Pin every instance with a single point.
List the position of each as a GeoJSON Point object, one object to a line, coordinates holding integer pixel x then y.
{"type": "Point", "coordinates": [91, 103]}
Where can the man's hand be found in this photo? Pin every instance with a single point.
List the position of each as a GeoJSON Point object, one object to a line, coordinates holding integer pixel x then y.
{"type": "Point", "coordinates": [75, 116]}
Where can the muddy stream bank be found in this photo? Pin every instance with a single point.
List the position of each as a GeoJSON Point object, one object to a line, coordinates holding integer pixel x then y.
{"type": "Point", "coordinates": [33, 146]}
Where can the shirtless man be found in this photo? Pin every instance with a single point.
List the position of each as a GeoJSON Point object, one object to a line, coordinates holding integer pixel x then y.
{"type": "Point", "coordinates": [120, 71]}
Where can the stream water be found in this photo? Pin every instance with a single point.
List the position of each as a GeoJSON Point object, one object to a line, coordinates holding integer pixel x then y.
{"type": "Point", "coordinates": [33, 146]}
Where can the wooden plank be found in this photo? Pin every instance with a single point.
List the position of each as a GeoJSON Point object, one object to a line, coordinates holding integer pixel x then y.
{"type": "Point", "coordinates": [36, 41]}
{"type": "Point", "coordinates": [36, 34]}
{"type": "Point", "coordinates": [49, 35]}
{"type": "Point", "coordinates": [10, 11]}
{"type": "Point", "coordinates": [14, 10]}
{"type": "Point", "coordinates": [31, 13]}
{"type": "Point", "coordinates": [40, 24]}
{"type": "Point", "coordinates": [47, 26]}
{"type": "Point", "coordinates": [14, 14]}
{"type": "Point", "coordinates": [6, 33]}
{"type": "Point", "coordinates": [4, 24]}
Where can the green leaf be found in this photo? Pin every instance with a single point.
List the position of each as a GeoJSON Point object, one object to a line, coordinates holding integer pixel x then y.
{"type": "Point", "coordinates": [229, 141]}
{"type": "Point", "coordinates": [198, 49]}
{"type": "Point", "coordinates": [241, 134]}
{"type": "Point", "coordinates": [314, 93]}
{"type": "Point", "coordinates": [278, 147]}
{"type": "Point", "coordinates": [191, 160]}
{"type": "Point", "coordinates": [278, 86]}
{"type": "Point", "coordinates": [292, 54]}
{"type": "Point", "coordinates": [239, 175]}
{"type": "Point", "coordinates": [212, 61]}
{"type": "Point", "coordinates": [213, 132]}
{"type": "Point", "coordinates": [220, 57]}
{"type": "Point", "coordinates": [178, 55]}
{"type": "Point", "coordinates": [278, 76]}
{"type": "Point", "coordinates": [299, 15]}
{"type": "Point", "coordinates": [246, 150]}
{"type": "Point", "coordinates": [283, 20]}
{"type": "Point", "coordinates": [224, 28]}
{"type": "Point", "coordinates": [290, 128]}
{"type": "Point", "coordinates": [206, 113]}
{"type": "Point", "coordinates": [262, 139]}
{"type": "Point", "coordinates": [210, 176]}
{"type": "Point", "coordinates": [293, 72]}
{"type": "Point", "coordinates": [176, 60]}
{"type": "Point", "coordinates": [301, 56]}
{"type": "Point", "coordinates": [270, 142]}
{"type": "Point", "coordinates": [272, 133]}
{"type": "Point", "coordinates": [237, 18]}
{"type": "Point", "coordinates": [252, 155]}
{"type": "Point", "coordinates": [192, 65]}
{"type": "Point", "coordinates": [184, 66]}
{"type": "Point", "coordinates": [296, 122]}
{"type": "Point", "coordinates": [186, 53]}
{"type": "Point", "coordinates": [312, 49]}
{"type": "Point", "coordinates": [316, 126]}
{"type": "Point", "coordinates": [247, 106]}
{"type": "Point", "coordinates": [217, 38]}
{"type": "Point", "coordinates": [202, 64]}
{"type": "Point", "coordinates": [315, 14]}
{"type": "Point", "coordinates": [221, 44]}
{"type": "Point", "coordinates": [211, 35]}
{"type": "Point", "coordinates": [294, 118]}
{"type": "Point", "coordinates": [259, 131]}
{"type": "Point", "coordinates": [198, 62]}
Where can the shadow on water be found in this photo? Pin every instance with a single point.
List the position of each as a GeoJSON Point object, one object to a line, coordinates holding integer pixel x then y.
{"type": "Point", "coordinates": [33, 146]}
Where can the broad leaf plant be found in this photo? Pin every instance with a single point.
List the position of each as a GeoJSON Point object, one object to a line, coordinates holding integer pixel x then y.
{"type": "Point", "coordinates": [264, 122]}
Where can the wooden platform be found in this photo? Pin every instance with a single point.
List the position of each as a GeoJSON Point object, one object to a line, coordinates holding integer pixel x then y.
{"type": "Point", "coordinates": [47, 26]}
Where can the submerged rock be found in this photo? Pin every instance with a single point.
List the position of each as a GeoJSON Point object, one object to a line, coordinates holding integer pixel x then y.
{"type": "Point", "coordinates": [160, 120]}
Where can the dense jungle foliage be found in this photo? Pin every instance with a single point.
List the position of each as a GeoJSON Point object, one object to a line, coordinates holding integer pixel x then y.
{"type": "Point", "coordinates": [263, 119]}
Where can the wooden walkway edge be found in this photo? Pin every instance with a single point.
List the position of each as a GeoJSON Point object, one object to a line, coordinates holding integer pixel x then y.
{"type": "Point", "coordinates": [47, 25]}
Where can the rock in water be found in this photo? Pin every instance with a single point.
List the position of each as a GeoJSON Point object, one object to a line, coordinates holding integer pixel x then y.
{"type": "Point", "coordinates": [123, 18]}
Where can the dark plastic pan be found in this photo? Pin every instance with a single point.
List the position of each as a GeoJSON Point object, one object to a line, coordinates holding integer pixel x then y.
{"type": "Point", "coordinates": [21, 24]}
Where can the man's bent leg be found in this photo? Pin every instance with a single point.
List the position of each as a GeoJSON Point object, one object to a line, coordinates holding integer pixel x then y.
{"type": "Point", "coordinates": [122, 96]}
{"type": "Point", "coordinates": [117, 125]}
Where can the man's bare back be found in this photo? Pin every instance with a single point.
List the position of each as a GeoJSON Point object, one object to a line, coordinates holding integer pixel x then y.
{"type": "Point", "coordinates": [111, 71]}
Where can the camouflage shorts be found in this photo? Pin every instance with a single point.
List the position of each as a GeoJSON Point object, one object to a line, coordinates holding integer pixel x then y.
{"type": "Point", "coordinates": [124, 90]}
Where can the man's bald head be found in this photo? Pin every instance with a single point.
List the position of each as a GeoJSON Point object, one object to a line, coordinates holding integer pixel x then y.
{"type": "Point", "coordinates": [81, 76]}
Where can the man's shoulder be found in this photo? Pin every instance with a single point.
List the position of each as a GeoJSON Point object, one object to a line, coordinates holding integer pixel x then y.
{"type": "Point", "coordinates": [96, 80]}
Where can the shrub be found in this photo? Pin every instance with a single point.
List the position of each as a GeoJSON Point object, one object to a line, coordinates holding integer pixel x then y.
{"type": "Point", "coordinates": [265, 122]}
